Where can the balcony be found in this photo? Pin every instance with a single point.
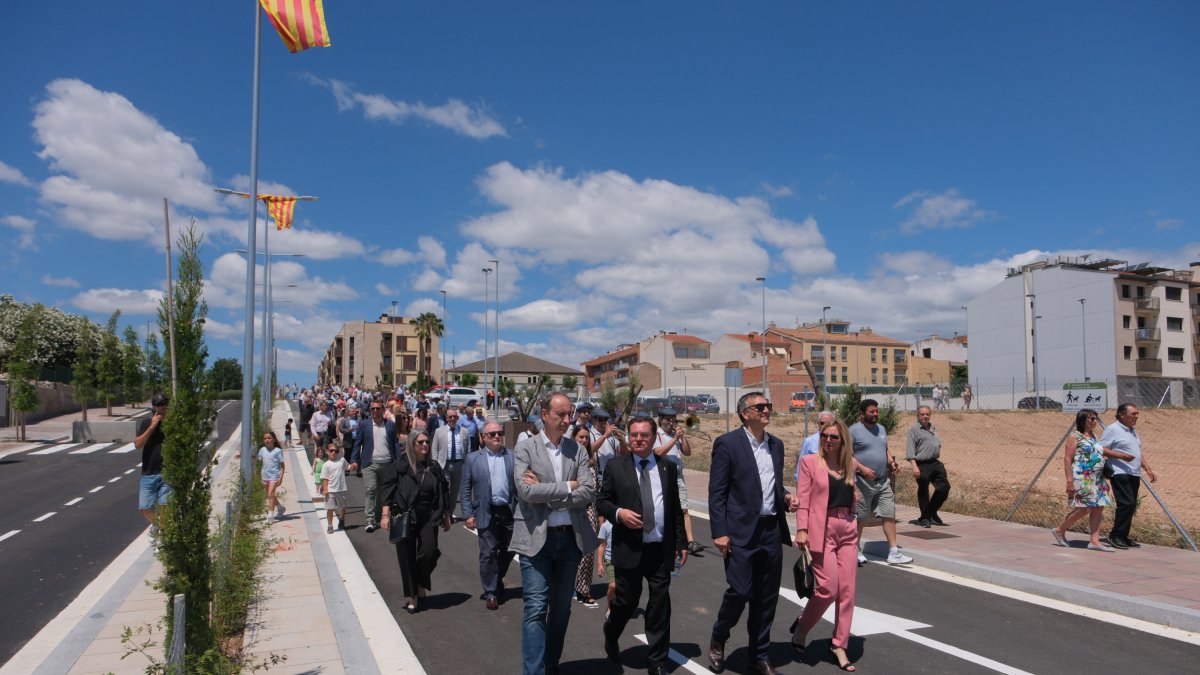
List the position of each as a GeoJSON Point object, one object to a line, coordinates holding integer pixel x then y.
{"type": "Point", "coordinates": [818, 356]}
{"type": "Point", "coordinates": [1196, 309]}
{"type": "Point", "coordinates": [1149, 366]}
{"type": "Point", "coordinates": [901, 357]}
{"type": "Point", "coordinates": [1146, 335]}
{"type": "Point", "coordinates": [1146, 306]}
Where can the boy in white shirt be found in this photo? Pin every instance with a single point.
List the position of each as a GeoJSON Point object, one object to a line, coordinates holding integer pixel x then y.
{"type": "Point", "coordinates": [333, 486]}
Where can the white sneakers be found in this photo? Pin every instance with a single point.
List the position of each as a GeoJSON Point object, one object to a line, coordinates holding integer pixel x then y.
{"type": "Point", "coordinates": [862, 559]}
{"type": "Point", "coordinates": [895, 557]}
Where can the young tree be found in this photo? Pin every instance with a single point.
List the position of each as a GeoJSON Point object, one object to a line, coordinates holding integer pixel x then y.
{"type": "Point", "coordinates": [184, 552]}
{"type": "Point", "coordinates": [570, 382]}
{"type": "Point", "coordinates": [156, 379]}
{"type": "Point", "coordinates": [468, 379]}
{"type": "Point", "coordinates": [108, 366]}
{"type": "Point", "coordinates": [225, 374]}
{"type": "Point", "coordinates": [83, 373]}
{"type": "Point", "coordinates": [133, 379]}
{"type": "Point", "coordinates": [22, 367]}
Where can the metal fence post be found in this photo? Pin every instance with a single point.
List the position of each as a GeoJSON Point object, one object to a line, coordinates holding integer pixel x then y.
{"type": "Point", "coordinates": [1170, 515]}
{"type": "Point", "coordinates": [175, 659]}
{"type": "Point", "coordinates": [1028, 488]}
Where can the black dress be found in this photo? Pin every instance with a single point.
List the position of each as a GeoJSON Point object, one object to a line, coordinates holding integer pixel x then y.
{"type": "Point", "coordinates": [425, 490]}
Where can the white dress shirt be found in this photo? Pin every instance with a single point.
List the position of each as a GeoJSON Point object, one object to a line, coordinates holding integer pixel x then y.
{"type": "Point", "coordinates": [558, 517]}
{"type": "Point", "coordinates": [766, 472]}
{"type": "Point", "coordinates": [656, 489]}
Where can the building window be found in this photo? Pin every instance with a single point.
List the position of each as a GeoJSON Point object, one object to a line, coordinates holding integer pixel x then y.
{"type": "Point", "coordinates": [1175, 354]}
{"type": "Point", "coordinates": [833, 354]}
{"type": "Point", "coordinates": [1125, 291]}
{"type": "Point", "coordinates": [927, 352]}
{"type": "Point", "coordinates": [1174, 293]}
{"type": "Point", "coordinates": [844, 352]}
{"type": "Point", "coordinates": [883, 355]}
{"type": "Point", "coordinates": [402, 343]}
{"type": "Point", "coordinates": [1141, 352]}
{"type": "Point", "coordinates": [874, 375]}
{"type": "Point", "coordinates": [818, 354]}
{"type": "Point", "coordinates": [1141, 291]}
{"type": "Point", "coordinates": [1128, 353]}
{"type": "Point", "coordinates": [899, 356]}
{"type": "Point", "coordinates": [873, 350]}
{"type": "Point", "coordinates": [845, 375]}
{"type": "Point", "coordinates": [1174, 323]}
{"type": "Point", "coordinates": [885, 376]}
{"type": "Point", "coordinates": [1125, 321]}
{"type": "Point", "coordinates": [410, 362]}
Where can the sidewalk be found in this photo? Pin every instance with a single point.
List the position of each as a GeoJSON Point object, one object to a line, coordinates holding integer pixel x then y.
{"type": "Point", "coordinates": [1153, 583]}
{"type": "Point", "coordinates": [59, 428]}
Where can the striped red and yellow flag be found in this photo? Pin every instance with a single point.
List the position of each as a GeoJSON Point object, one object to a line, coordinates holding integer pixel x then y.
{"type": "Point", "coordinates": [301, 23]}
{"type": "Point", "coordinates": [282, 209]}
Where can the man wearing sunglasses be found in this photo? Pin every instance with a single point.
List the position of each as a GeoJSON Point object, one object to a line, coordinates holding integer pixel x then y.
{"type": "Point", "coordinates": [488, 498]}
{"type": "Point", "coordinates": [748, 509]}
{"type": "Point", "coordinates": [374, 448]}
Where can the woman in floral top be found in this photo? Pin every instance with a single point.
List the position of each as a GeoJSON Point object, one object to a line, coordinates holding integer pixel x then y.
{"type": "Point", "coordinates": [1087, 491]}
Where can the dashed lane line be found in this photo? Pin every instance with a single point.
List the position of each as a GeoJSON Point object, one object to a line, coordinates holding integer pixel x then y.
{"type": "Point", "coordinates": [73, 502]}
{"type": "Point", "coordinates": [97, 488]}
{"type": "Point", "coordinates": [130, 471]}
{"type": "Point", "coordinates": [8, 534]}
{"type": "Point", "coordinates": [44, 517]}
{"type": "Point", "coordinates": [113, 480]}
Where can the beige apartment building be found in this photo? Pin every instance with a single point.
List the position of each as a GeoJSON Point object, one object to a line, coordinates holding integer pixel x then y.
{"type": "Point", "coordinates": [383, 352]}
{"type": "Point", "coordinates": [860, 357]}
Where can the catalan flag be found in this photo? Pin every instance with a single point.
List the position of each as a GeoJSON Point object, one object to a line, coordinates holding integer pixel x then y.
{"type": "Point", "coordinates": [301, 23]}
{"type": "Point", "coordinates": [281, 209]}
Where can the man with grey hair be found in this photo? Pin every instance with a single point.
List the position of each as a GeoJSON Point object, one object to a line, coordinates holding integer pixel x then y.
{"type": "Point", "coordinates": [488, 497]}
{"type": "Point", "coordinates": [922, 452]}
{"type": "Point", "coordinates": [812, 444]}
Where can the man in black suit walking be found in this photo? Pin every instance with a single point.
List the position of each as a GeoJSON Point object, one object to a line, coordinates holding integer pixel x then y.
{"type": "Point", "coordinates": [747, 509]}
{"type": "Point", "coordinates": [640, 497]}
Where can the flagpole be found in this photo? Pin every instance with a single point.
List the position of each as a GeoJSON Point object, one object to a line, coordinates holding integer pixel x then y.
{"type": "Point", "coordinates": [264, 394]}
{"type": "Point", "coordinates": [251, 241]}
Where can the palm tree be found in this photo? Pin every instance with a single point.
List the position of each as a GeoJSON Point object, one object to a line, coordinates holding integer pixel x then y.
{"type": "Point", "coordinates": [428, 325]}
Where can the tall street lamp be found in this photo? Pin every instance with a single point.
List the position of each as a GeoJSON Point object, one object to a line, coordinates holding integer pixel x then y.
{"type": "Point", "coordinates": [496, 337]}
{"type": "Point", "coordinates": [442, 340]}
{"type": "Point", "coordinates": [487, 273]}
{"type": "Point", "coordinates": [1037, 398]}
{"type": "Point", "coordinates": [825, 356]}
{"type": "Point", "coordinates": [268, 327]}
{"type": "Point", "coordinates": [763, 281]}
{"type": "Point", "coordinates": [1083, 336]}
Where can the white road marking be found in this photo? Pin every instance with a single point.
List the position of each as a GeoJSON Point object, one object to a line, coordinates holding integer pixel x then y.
{"type": "Point", "coordinates": [56, 448]}
{"type": "Point", "coordinates": [19, 448]}
{"type": "Point", "coordinates": [8, 534]}
{"type": "Point", "coordinates": [97, 488]}
{"type": "Point", "coordinates": [73, 502]}
{"type": "Point", "coordinates": [675, 656]}
{"type": "Point", "coordinates": [41, 518]}
{"type": "Point", "coordinates": [120, 450]}
{"type": "Point", "coordinates": [113, 480]}
{"type": "Point", "coordinates": [130, 471]}
{"type": "Point", "coordinates": [90, 449]}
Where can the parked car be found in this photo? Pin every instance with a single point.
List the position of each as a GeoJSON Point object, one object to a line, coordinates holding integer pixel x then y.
{"type": "Point", "coordinates": [649, 405]}
{"type": "Point", "coordinates": [436, 392]}
{"type": "Point", "coordinates": [710, 403]}
{"type": "Point", "coordinates": [462, 395]}
{"type": "Point", "coordinates": [1032, 402]}
{"type": "Point", "coordinates": [802, 400]}
{"type": "Point", "coordinates": [686, 405]}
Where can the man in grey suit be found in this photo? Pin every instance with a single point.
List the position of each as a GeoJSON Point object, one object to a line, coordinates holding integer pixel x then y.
{"type": "Point", "coordinates": [550, 531]}
{"type": "Point", "coordinates": [374, 448]}
{"type": "Point", "coordinates": [488, 497]}
{"type": "Point", "coordinates": [451, 443]}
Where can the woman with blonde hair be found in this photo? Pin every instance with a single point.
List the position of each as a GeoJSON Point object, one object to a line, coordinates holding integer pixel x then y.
{"type": "Point", "coordinates": [825, 526]}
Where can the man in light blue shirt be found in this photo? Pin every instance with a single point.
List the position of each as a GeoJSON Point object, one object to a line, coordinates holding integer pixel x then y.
{"type": "Point", "coordinates": [812, 444]}
{"type": "Point", "coordinates": [1126, 480]}
{"type": "Point", "coordinates": [488, 496]}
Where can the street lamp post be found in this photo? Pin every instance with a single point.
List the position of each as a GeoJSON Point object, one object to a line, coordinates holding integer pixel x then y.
{"type": "Point", "coordinates": [763, 281]}
{"type": "Point", "coordinates": [1083, 336]}
{"type": "Point", "coordinates": [496, 337]}
{"type": "Point", "coordinates": [1037, 398]}
{"type": "Point", "coordinates": [487, 273]}
{"type": "Point", "coordinates": [268, 327]}
{"type": "Point", "coordinates": [825, 355]}
{"type": "Point", "coordinates": [442, 340]}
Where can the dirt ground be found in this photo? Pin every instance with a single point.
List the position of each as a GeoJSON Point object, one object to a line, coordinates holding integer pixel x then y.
{"type": "Point", "coordinates": [991, 457]}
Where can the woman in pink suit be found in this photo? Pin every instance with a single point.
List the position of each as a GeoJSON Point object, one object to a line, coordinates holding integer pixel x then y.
{"type": "Point", "coordinates": [825, 526]}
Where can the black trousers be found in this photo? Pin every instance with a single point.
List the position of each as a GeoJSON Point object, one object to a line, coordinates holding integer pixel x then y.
{"type": "Point", "coordinates": [454, 470]}
{"type": "Point", "coordinates": [932, 472]}
{"type": "Point", "coordinates": [753, 573]}
{"type": "Point", "coordinates": [1125, 490]}
{"type": "Point", "coordinates": [655, 569]}
{"type": "Point", "coordinates": [418, 555]}
{"type": "Point", "coordinates": [494, 556]}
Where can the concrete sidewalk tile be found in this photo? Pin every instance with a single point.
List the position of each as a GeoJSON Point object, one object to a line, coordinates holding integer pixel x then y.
{"type": "Point", "coordinates": [280, 639]}
{"type": "Point", "coordinates": [299, 655]}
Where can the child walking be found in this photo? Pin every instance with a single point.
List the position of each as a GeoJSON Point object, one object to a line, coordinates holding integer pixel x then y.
{"type": "Point", "coordinates": [319, 458]}
{"type": "Point", "coordinates": [287, 434]}
{"type": "Point", "coordinates": [333, 486]}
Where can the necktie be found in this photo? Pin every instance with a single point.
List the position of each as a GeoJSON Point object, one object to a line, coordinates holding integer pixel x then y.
{"type": "Point", "coordinates": [453, 443]}
{"type": "Point", "coordinates": [647, 498]}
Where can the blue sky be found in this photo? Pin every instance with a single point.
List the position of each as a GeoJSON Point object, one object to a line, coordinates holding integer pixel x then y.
{"type": "Point", "coordinates": [634, 166]}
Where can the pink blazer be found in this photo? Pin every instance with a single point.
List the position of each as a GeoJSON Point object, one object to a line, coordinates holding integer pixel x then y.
{"type": "Point", "coordinates": [813, 493]}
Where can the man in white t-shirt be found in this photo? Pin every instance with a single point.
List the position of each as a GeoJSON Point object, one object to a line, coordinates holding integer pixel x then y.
{"type": "Point", "coordinates": [673, 446]}
{"type": "Point", "coordinates": [607, 441]}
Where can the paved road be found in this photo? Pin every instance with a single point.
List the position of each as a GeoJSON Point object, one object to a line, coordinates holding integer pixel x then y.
{"type": "Point", "coordinates": [906, 623]}
{"type": "Point", "coordinates": [66, 510]}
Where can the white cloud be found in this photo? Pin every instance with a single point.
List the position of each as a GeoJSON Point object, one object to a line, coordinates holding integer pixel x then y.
{"type": "Point", "coordinates": [113, 164]}
{"type": "Point", "coordinates": [778, 191]}
{"type": "Point", "coordinates": [432, 251]}
{"type": "Point", "coordinates": [1167, 224]}
{"type": "Point", "coordinates": [395, 256]}
{"type": "Point", "coordinates": [130, 302]}
{"type": "Point", "coordinates": [475, 122]}
{"type": "Point", "coordinates": [914, 263]}
{"type": "Point", "coordinates": [422, 305]}
{"type": "Point", "coordinates": [226, 285]}
{"type": "Point", "coordinates": [65, 282]}
{"type": "Point", "coordinates": [384, 289]}
{"type": "Point", "coordinates": [11, 174]}
{"type": "Point", "coordinates": [540, 315]}
{"type": "Point", "coordinates": [945, 211]}
{"type": "Point", "coordinates": [428, 280]}
{"type": "Point", "coordinates": [24, 228]}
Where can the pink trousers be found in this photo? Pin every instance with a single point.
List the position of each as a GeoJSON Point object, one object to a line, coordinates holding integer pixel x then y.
{"type": "Point", "coordinates": [835, 569]}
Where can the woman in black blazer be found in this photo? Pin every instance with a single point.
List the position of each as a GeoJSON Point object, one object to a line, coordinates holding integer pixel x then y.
{"type": "Point", "coordinates": [414, 482]}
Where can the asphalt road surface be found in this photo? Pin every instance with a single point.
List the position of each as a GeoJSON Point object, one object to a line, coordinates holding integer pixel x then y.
{"type": "Point", "coordinates": [904, 623]}
{"type": "Point", "coordinates": [66, 511]}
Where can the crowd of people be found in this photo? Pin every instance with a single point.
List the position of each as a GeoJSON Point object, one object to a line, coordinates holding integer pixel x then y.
{"type": "Point", "coordinates": [578, 498]}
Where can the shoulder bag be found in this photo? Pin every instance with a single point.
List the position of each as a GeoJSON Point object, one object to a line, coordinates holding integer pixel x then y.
{"type": "Point", "coordinates": [802, 573]}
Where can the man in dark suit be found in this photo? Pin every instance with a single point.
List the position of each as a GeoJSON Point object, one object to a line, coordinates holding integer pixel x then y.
{"type": "Point", "coordinates": [488, 497]}
{"type": "Point", "coordinates": [748, 508]}
{"type": "Point", "coordinates": [374, 448]}
{"type": "Point", "coordinates": [641, 498]}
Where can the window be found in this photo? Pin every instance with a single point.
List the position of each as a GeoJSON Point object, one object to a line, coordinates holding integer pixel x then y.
{"type": "Point", "coordinates": [1128, 353]}
{"type": "Point", "coordinates": [899, 356]}
{"type": "Point", "coordinates": [873, 350]}
{"type": "Point", "coordinates": [1175, 354]}
{"type": "Point", "coordinates": [1125, 321]}
{"type": "Point", "coordinates": [844, 352]}
{"type": "Point", "coordinates": [883, 355]}
{"type": "Point", "coordinates": [1174, 293]}
{"type": "Point", "coordinates": [885, 375]}
{"type": "Point", "coordinates": [1141, 322]}
{"type": "Point", "coordinates": [1141, 291]}
{"type": "Point", "coordinates": [1174, 323]}
{"type": "Point", "coordinates": [845, 375]}
{"type": "Point", "coordinates": [1141, 352]}
{"type": "Point", "coordinates": [410, 362]}
{"type": "Point", "coordinates": [874, 376]}
{"type": "Point", "coordinates": [833, 354]}
{"type": "Point", "coordinates": [927, 352]}
{"type": "Point", "coordinates": [403, 343]}
{"type": "Point", "coordinates": [1125, 291]}
{"type": "Point", "coordinates": [818, 354]}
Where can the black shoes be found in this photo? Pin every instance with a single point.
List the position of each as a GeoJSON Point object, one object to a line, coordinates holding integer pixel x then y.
{"type": "Point", "coordinates": [611, 649]}
{"type": "Point", "coordinates": [925, 523]}
{"type": "Point", "coordinates": [716, 655]}
{"type": "Point", "coordinates": [694, 547]}
{"type": "Point", "coordinates": [1123, 543]}
{"type": "Point", "coordinates": [938, 521]}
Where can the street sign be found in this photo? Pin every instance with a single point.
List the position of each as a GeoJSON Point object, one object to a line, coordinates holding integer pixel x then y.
{"type": "Point", "coordinates": [1080, 395]}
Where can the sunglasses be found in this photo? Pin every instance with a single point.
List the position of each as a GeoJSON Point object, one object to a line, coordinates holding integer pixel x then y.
{"type": "Point", "coordinates": [830, 437]}
{"type": "Point", "coordinates": [762, 407]}
{"type": "Point", "coordinates": [420, 442]}
{"type": "Point", "coordinates": [493, 434]}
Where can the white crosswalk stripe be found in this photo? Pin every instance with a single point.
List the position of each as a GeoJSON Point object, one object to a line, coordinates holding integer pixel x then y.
{"type": "Point", "coordinates": [122, 449]}
{"type": "Point", "coordinates": [90, 449]}
{"type": "Point", "coordinates": [56, 448]}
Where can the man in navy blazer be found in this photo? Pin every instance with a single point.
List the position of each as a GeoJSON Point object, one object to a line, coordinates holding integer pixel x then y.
{"type": "Point", "coordinates": [748, 509]}
{"type": "Point", "coordinates": [488, 498]}
{"type": "Point", "coordinates": [374, 448]}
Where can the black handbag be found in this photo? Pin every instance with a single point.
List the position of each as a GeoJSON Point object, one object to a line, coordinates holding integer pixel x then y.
{"type": "Point", "coordinates": [1107, 471]}
{"type": "Point", "coordinates": [802, 574]}
{"type": "Point", "coordinates": [401, 527]}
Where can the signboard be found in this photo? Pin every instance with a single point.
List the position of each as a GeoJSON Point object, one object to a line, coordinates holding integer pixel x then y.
{"type": "Point", "coordinates": [733, 377]}
{"type": "Point", "coordinates": [1080, 395]}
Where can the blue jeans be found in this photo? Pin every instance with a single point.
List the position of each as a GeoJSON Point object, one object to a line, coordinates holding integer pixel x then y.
{"type": "Point", "coordinates": [152, 491]}
{"type": "Point", "coordinates": [548, 581]}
